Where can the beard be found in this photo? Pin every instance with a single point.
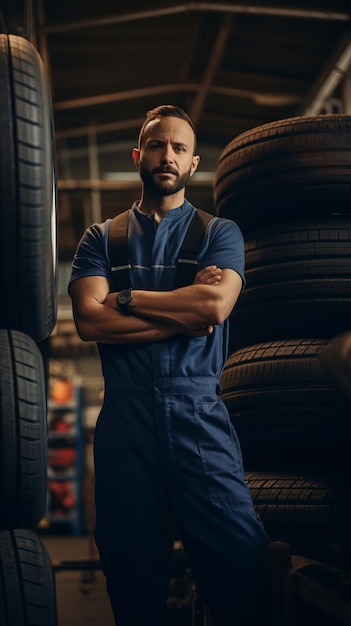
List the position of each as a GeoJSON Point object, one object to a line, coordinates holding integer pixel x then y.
{"type": "Point", "coordinates": [162, 188]}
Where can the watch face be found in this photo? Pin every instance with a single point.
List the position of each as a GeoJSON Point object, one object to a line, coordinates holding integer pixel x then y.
{"type": "Point", "coordinates": [124, 297]}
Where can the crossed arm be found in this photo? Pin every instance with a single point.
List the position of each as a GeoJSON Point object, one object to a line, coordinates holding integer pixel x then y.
{"type": "Point", "coordinates": [155, 315]}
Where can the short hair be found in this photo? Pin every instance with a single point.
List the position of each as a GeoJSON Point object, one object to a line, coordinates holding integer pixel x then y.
{"type": "Point", "coordinates": [166, 110]}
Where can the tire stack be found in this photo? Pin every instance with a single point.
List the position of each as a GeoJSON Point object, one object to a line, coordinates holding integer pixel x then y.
{"type": "Point", "coordinates": [288, 186]}
{"type": "Point", "coordinates": [27, 316]}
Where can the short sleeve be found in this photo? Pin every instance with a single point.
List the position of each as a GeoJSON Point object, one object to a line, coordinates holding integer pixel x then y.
{"type": "Point", "coordinates": [91, 258]}
{"type": "Point", "coordinates": [224, 247]}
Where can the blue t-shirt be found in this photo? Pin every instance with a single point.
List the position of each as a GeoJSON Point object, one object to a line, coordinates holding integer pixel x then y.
{"type": "Point", "coordinates": [154, 250]}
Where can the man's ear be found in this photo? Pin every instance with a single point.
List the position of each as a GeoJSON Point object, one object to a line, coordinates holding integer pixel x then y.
{"type": "Point", "coordinates": [195, 163]}
{"type": "Point", "coordinates": [136, 156]}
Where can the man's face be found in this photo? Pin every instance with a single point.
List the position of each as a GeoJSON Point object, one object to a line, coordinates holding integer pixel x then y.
{"type": "Point", "coordinates": [166, 156]}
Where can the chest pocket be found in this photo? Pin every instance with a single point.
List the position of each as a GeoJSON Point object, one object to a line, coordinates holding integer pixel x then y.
{"type": "Point", "coordinates": [187, 264]}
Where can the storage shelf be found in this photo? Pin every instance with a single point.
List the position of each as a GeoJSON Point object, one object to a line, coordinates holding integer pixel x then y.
{"type": "Point", "coordinates": [65, 463]}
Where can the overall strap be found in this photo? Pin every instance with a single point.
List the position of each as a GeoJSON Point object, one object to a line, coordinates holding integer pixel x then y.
{"type": "Point", "coordinates": [190, 249]}
{"type": "Point", "coordinates": [187, 259]}
{"type": "Point", "coordinates": [118, 249]}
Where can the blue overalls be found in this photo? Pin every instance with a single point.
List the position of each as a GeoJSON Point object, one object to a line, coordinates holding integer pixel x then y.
{"type": "Point", "coordinates": [165, 446]}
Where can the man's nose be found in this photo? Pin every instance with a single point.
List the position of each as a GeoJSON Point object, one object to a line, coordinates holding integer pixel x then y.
{"type": "Point", "coordinates": [167, 156]}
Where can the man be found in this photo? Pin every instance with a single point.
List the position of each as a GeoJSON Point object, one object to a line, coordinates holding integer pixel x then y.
{"type": "Point", "coordinates": [164, 444]}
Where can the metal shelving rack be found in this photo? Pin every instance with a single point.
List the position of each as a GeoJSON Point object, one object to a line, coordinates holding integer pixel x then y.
{"type": "Point", "coordinates": [65, 464]}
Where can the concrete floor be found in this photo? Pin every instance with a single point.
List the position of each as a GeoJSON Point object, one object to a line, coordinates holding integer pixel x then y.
{"type": "Point", "coordinates": [81, 595]}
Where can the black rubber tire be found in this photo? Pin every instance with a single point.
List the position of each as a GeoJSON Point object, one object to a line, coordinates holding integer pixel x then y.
{"type": "Point", "coordinates": [298, 166]}
{"type": "Point", "coordinates": [309, 511]}
{"type": "Point", "coordinates": [27, 586]}
{"type": "Point", "coordinates": [286, 410]}
{"type": "Point", "coordinates": [23, 432]}
{"type": "Point", "coordinates": [28, 239]}
{"type": "Point", "coordinates": [297, 282]}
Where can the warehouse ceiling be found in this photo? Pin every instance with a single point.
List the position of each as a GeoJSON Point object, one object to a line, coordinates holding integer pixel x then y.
{"type": "Point", "coordinates": [231, 66]}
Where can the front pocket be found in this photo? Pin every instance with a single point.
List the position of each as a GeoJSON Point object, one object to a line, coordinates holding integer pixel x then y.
{"type": "Point", "coordinates": [220, 452]}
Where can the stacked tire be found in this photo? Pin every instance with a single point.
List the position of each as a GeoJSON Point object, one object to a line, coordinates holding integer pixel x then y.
{"type": "Point", "coordinates": [28, 253]}
{"type": "Point", "coordinates": [288, 186]}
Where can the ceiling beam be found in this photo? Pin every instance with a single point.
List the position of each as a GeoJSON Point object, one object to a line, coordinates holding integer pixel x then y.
{"type": "Point", "coordinates": [332, 74]}
{"type": "Point", "coordinates": [119, 18]}
{"type": "Point", "coordinates": [346, 93]}
{"type": "Point", "coordinates": [42, 44]}
{"type": "Point", "coordinates": [121, 96]}
{"type": "Point", "coordinates": [28, 19]}
{"type": "Point", "coordinates": [192, 45]}
{"type": "Point", "coordinates": [258, 97]}
{"type": "Point", "coordinates": [108, 127]}
{"type": "Point", "coordinates": [133, 94]}
{"type": "Point", "coordinates": [94, 173]}
{"type": "Point", "coordinates": [211, 70]}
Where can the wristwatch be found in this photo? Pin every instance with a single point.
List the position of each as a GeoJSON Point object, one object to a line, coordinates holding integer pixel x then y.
{"type": "Point", "coordinates": [124, 298]}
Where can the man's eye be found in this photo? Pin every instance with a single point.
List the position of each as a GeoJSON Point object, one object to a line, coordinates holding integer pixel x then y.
{"type": "Point", "coordinates": [180, 149]}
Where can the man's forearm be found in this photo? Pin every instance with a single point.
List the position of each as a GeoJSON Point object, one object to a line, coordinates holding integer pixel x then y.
{"type": "Point", "coordinates": [189, 308]}
{"type": "Point", "coordinates": [105, 324]}
{"type": "Point", "coordinates": [184, 307]}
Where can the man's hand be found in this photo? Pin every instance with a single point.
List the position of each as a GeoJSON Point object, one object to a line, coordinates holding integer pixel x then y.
{"type": "Point", "coordinates": [210, 275]}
